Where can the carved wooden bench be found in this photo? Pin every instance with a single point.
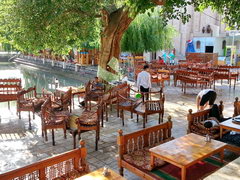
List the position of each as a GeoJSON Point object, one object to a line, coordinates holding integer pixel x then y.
{"type": "Point", "coordinates": [196, 120]}
{"type": "Point", "coordinates": [9, 89]}
{"type": "Point", "coordinates": [69, 165]}
{"type": "Point", "coordinates": [134, 148]}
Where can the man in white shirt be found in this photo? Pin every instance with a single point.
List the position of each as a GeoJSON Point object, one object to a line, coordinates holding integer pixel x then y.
{"type": "Point", "coordinates": [144, 81]}
{"type": "Point", "coordinates": [206, 97]}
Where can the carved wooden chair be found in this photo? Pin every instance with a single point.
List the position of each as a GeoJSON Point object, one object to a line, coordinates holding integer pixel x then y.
{"type": "Point", "coordinates": [126, 102]}
{"type": "Point", "coordinates": [52, 119]}
{"type": "Point", "coordinates": [63, 102]}
{"type": "Point", "coordinates": [148, 107]}
{"type": "Point", "coordinates": [27, 100]}
{"type": "Point", "coordinates": [91, 95]}
{"type": "Point", "coordinates": [236, 107]}
{"type": "Point", "coordinates": [196, 123]}
{"type": "Point", "coordinates": [164, 75]}
{"type": "Point", "coordinates": [90, 121]}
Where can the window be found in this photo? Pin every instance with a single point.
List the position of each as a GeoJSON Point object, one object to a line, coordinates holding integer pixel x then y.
{"type": "Point", "coordinates": [224, 44]}
{"type": "Point", "coordinates": [198, 44]}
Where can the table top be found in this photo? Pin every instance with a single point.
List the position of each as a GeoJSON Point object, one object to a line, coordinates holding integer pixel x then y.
{"type": "Point", "coordinates": [74, 89]}
{"type": "Point", "coordinates": [97, 175]}
{"type": "Point", "coordinates": [187, 149]}
{"type": "Point", "coordinates": [229, 172]}
{"type": "Point", "coordinates": [229, 123]}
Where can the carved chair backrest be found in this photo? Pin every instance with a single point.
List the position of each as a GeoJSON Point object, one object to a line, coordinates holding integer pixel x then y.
{"type": "Point", "coordinates": [53, 167]}
{"type": "Point", "coordinates": [46, 111]}
{"type": "Point", "coordinates": [27, 94]}
{"type": "Point", "coordinates": [114, 90]}
{"type": "Point", "coordinates": [66, 98]}
{"type": "Point", "coordinates": [144, 138]}
{"type": "Point", "coordinates": [200, 116]}
{"type": "Point", "coordinates": [10, 86]}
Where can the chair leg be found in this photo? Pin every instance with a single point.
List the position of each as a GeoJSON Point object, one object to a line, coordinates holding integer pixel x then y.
{"type": "Point", "coordinates": [29, 119]}
{"type": "Point", "coordinates": [53, 138]}
{"type": "Point", "coordinates": [131, 115]}
{"type": "Point", "coordinates": [19, 114]}
{"type": "Point", "coordinates": [137, 118]}
{"type": "Point", "coordinates": [144, 120]}
{"type": "Point", "coordinates": [96, 141]}
{"type": "Point", "coordinates": [121, 171]}
{"type": "Point", "coordinates": [46, 138]}
{"type": "Point", "coordinates": [122, 115]}
{"type": "Point", "coordinates": [159, 118]}
{"type": "Point", "coordinates": [8, 105]}
{"type": "Point", "coordinates": [65, 133]}
{"type": "Point", "coordinates": [74, 139]}
{"type": "Point", "coordinates": [33, 115]}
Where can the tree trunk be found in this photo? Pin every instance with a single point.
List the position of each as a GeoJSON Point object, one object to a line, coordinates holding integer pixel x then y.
{"type": "Point", "coordinates": [114, 24]}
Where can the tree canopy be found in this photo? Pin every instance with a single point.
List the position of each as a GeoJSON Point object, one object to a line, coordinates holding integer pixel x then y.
{"type": "Point", "coordinates": [33, 25]}
{"type": "Point", "coordinates": [148, 33]}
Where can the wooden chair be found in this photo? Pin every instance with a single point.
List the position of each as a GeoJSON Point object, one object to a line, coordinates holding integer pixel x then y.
{"type": "Point", "coordinates": [64, 101]}
{"type": "Point", "coordinates": [125, 102]}
{"type": "Point", "coordinates": [236, 107]}
{"type": "Point", "coordinates": [164, 75]}
{"type": "Point", "coordinates": [68, 165]}
{"type": "Point", "coordinates": [196, 121]}
{"type": "Point", "coordinates": [90, 121]}
{"type": "Point", "coordinates": [52, 119]}
{"type": "Point", "coordinates": [148, 107]}
{"type": "Point", "coordinates": [133, 148]}
{"type": "Point", "coordinates": [9, 89]}
{"type": "Point", "coordinates": [91, 95]}
{"type": "Point", "coordinates": [27, 100]}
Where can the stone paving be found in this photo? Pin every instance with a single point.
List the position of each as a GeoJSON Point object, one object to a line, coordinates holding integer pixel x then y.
{"type": "Point", "coordinates": [20, 146]}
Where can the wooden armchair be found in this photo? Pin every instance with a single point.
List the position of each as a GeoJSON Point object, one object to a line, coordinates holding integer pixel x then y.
{"type": "Point", "coordinates": [125, 102]}
{"type": "Point", "coordinates": [9, 89]}
{"type": "Point", "coordinates": [27, 100]}
{"type": "Point", "coordinates": [236, 107]}
{"type": "Point", "coordinates": [91, 95]}
{"type": "Point", "coordinates": [164, 75]}
{"type": "Point", "coordinates": [196, 121]}
{"type": "Point", "coordinates": [134, 148]}
{"type": "Point", "coordinates": [90, 121]}
{"type": "Point", "coordinates": [68, 165]}
{"type": "Point", "coordinates": [64, 102]}
{"type": "Point", "coordinates": [149, 107]}
{"type": "Point", "coordinates": [52, 119]}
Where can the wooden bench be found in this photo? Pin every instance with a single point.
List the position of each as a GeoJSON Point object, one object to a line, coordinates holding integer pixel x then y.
{"type": "Point", "coordinates": [69, 165]}
{"type": "Point", "coordinates": [196, 120]}
{"type": "Point", "coordinates": [9, 89]}
{"type": "Point", "coordinates": [133, 148]}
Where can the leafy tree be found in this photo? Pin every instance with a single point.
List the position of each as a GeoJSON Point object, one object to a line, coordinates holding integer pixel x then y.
{"type": "Point", "coordinates": [148, 33]}
{"type": "Point", "coordinates": [61, 24]}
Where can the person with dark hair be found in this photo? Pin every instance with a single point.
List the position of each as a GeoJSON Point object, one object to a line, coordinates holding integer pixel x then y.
{"type": "Point", "coordinates": [206, 98]}
{"type": "Point", "coordinates": [144, 80]}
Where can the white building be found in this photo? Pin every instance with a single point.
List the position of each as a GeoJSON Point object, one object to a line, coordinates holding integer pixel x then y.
{"type": "Point", "coordinates": [193, 30]}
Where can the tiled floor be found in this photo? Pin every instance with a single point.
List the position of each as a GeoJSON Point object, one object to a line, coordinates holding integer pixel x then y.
{"type": "Point", "coordinates": [19, 146]}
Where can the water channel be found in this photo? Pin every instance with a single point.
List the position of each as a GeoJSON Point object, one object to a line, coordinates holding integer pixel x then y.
{"type": "Point", "coordinates": [32, 76]}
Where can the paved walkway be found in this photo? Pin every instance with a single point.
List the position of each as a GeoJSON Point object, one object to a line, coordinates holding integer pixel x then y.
{"type": "Point", "coordinates": [20, 147]}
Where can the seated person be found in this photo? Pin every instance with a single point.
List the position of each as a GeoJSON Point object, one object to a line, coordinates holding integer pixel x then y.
{"type": "Point", "coordinates": [205, 98]}
{"type": "Point", "coordinates": [97, 85]}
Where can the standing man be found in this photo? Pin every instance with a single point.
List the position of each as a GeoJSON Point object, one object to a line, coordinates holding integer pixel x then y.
{"type": "Point", "coordinates": [204, 98]}
{"type": "Point", "coordinates": [144, 81]}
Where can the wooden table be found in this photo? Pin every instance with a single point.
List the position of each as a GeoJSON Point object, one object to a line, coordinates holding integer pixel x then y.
{"type": "Point", "coordinates": [97, 175]}
{"type": "Point", "coordinates": [229, 125]}
{"type": "Point", "coordinates": [186, 151]}
{"type": "Point", "coordinates": [229, 172]}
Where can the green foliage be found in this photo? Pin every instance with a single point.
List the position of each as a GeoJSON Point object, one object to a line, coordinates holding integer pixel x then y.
{"type": "Point", "coordinates": [149, 33]}
{"type": "Point", "coordinates": [32, 25]}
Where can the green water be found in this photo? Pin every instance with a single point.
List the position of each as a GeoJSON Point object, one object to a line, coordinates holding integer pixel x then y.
{"type": "Point", "coordinates": [32, 76]}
